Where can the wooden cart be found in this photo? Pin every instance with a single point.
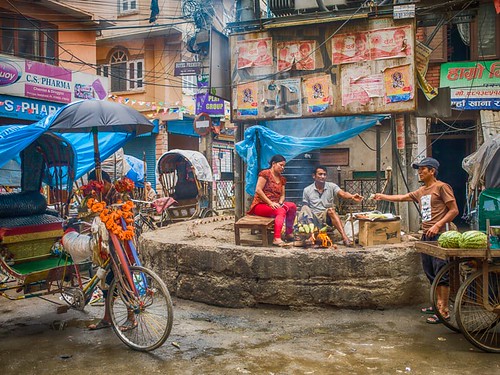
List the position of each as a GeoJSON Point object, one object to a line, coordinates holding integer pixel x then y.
{"type": "Point", "coordinates": [474, 299]}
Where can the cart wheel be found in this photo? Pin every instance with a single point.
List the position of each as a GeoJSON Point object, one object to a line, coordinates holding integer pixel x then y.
{"type": "Point", "coordinates": [479, 325]}
{"type": "Point", "coordinates": [143, 224]}
{"type": "Point", "coordinates": [142, 320]}
{"type": "Point", "coordinates": [456, 272]}
{"type": "Point", "coordinates": [208, 213]}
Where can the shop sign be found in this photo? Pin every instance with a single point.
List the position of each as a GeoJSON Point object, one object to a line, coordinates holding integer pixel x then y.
{"type": "Point", "coordinates": [475, 85]}
{"type": "Point", "coordinates": [211, 105]}
{"type": "Point", "coordinates": [187, 68]}
{"type": "Point", "coordinates": [404, 11]}
{"type": "Point", "coordinates": [35, 80]}
{"type": "Point", "coordinates": [26, 109]}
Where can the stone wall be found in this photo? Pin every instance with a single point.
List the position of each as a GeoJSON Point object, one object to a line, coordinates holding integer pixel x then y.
{"type": "Point", "coordinates": [238, 276]}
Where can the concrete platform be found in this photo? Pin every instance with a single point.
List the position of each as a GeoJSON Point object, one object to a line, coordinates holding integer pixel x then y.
{"type": "Point", "coordinates": [199, 261]}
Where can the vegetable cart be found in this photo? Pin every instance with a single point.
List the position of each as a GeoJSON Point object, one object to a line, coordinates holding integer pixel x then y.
{"type": "Point", "coordinates": [474, 299]}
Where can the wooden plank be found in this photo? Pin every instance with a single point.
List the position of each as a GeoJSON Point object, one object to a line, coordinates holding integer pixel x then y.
{"type": "Point", "coordinates": [432, 248]}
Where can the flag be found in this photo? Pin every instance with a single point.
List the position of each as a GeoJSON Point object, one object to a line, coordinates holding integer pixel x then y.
{"type": "Point", "coordinates": [155, 10]}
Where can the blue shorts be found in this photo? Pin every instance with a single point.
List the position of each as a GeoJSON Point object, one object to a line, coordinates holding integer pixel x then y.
{"type": "Point", "coordinates": [433, 265]}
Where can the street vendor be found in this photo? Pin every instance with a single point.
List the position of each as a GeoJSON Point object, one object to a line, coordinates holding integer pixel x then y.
{"type": "Point", "coordinates": [438, 207]}
{"type": "Point", "coordinates": [150, 192]}
{"type": "Point", "coordinates": [318, 203]}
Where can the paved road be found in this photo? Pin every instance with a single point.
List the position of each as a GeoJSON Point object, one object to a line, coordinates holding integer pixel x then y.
{"type": "Point", "coordinates": [212, 340]}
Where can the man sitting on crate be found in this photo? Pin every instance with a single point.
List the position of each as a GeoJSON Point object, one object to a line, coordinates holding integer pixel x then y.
{"type": "Point", "coordinates": [318, 203]}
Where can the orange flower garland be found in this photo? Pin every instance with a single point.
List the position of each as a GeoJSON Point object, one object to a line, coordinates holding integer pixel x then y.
{"type": "Point", "coordinates": [111, 217]}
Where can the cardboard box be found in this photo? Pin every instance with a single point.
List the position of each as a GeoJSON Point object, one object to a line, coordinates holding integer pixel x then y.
{"type": "Point", "coordinates": [379, 232]}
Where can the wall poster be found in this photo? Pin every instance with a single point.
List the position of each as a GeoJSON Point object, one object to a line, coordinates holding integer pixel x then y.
{"type": "Point", "coordinates": [254, 53]}
{"type": "Point", "coordinates": [360, 87]}
{"type": "Point", "coordinates": [247, 99]}
{"type": "Point", "coordinates": [283, 98]}
{"type": "Point", "coordinates": [398, 84]}
{"type": "Point", "coordinates": [317, 91]}
{"type": "Point", "coordinates": [300, 53]}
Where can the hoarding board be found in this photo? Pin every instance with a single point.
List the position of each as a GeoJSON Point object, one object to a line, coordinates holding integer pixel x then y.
{"type": "Point", "coordinates": [367, 67]}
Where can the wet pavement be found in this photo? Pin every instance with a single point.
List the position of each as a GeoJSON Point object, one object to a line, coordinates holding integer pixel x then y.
{"type": "Point", "coordinates": [212, 340]}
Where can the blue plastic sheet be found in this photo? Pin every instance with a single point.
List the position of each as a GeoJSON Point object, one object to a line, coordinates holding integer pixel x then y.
{"type": "Point", "coordinates": [303, 135]}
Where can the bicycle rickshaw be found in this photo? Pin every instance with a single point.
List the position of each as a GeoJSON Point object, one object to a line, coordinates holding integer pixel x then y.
{"type": "Point", "coordinates": [36, 263]}
{"type": "Point", "coordinates": [186, 176]}
{"type": "Point", "coordinates": [473, 275]}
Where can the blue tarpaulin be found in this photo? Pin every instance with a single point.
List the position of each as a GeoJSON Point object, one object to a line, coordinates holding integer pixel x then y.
{"type": "Point", "coordinates": [15, 138]}
{"type": "Point", "coordinates": [303, 135]}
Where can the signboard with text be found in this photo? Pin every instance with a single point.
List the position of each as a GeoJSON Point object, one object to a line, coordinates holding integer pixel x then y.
{"type": "Point", "coordinates": [475, 85]}
{"type": "Point", "coordinates": [187, 68]}
{"type": "Point", "coordinates": [32, 79]}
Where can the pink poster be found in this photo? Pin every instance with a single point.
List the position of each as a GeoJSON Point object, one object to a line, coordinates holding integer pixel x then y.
{"type": "Point", "coordinates": [301, 53]}
{"type": "Point", "coordinates": [318, 94]}
{"type": "Point", "coordinates": [349, 48]}
{"type": "Point", "coordinates": [390, 43]}
{"type": "Point", "coordinates": [254, 53]}
{"type": "Point", "coordinates": [357, 87]}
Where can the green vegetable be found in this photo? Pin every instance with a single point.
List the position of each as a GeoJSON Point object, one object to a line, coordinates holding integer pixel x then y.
{"type": "Point", "coordinates": [311, 227]}
{"type": "Point", "coordinates": [450, 239]}
{"type": "Point", "coordinates": [473, 239]}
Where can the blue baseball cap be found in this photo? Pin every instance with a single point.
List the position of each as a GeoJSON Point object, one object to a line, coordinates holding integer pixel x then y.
{"type": "Point", "coordinates": [427, 162]}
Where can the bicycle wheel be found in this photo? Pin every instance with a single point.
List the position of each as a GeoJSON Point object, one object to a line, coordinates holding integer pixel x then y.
{"type": "Point", "coordinates": [456, 272]}
{"type": "Point", "coordinates": [142, 320]}
{"type": "Point", "coordinates": [479, 325]}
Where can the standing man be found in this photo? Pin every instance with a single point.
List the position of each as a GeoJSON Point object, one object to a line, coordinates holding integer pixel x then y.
{"type": "Point", "coordinates": [318, 199]}
{"type": "Point", "coordinates": [438, 207]}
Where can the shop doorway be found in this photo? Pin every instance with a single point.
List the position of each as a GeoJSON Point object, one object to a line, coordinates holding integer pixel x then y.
{"type": "Point", "coordinates": [450, 153]}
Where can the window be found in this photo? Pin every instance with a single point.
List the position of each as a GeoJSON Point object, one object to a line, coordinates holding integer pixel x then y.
{"type": "Point", "coordinates": [124, 74]}
{"type": "Point", "coordinates": [486, 44]}
{"type": "Point", "coordinates": [23, 38]}
{"type": "Point", "coordinates": [127, 6]}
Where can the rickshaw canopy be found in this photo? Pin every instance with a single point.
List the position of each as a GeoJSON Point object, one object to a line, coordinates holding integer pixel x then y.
{"type": "Point", "coordinates": [202, 169]}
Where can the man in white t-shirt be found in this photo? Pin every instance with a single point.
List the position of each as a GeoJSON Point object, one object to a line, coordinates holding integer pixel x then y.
{"type": "Point", "coordinates": [318, 202]}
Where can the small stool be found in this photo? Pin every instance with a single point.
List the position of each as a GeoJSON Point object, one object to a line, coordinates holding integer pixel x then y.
{"type": "Point", "coordinates": [264, 224]}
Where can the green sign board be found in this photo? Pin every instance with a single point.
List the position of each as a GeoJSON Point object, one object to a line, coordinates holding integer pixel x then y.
{"type": "Point", "coordinates": [474, 84]}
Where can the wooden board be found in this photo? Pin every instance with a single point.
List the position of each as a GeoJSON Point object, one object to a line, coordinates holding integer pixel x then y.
{"type": "Point", "coordinates": [432, 248]}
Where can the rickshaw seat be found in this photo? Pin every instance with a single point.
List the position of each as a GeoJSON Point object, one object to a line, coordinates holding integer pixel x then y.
{"type": "Point", "coordinates": [28, 237]}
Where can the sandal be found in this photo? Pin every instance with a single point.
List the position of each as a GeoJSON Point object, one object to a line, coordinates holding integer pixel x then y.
{"type": "Point", "coordinates": [434, 319]}
{"type": "Point", "coordinates": [427, 310]}
{"type": "Point", "coordinates": [101, 325]}
{"type": "Point", "coordinates": [128, 325]}
{"type": "Point", "coordinates": [280, 243]}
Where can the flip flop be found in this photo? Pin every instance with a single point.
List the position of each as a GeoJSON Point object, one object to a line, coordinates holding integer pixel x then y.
{"type": "Point", "coordinates": [427, 310]}
{"type": "Point", "coordinates": [282, 244]}
{"type": "Point", "coordinates": [128, 325]}
{"type": "Point", "coordinates": [101, 325]}
{"type": "Point", "coordinates": [434, 319]}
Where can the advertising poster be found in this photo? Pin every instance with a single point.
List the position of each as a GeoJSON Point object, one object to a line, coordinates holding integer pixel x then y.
{"type": "Point", "coordinates": [44, 82]}
{"type": "Point", "coordinates": [358, 87]}
{"type": "Point", "coordinates": [283, 98]}
{"type": "Point", "coordinates": [474, 84]}
{"type": "Point", "coordinates": [398, 84]}
{"type": "Point", "coordinates": [246, 95]}
{"type": "Point", "coordinates": [318, 94]}
{"type": "Point", "coordinates": [254, 53]}
{"type": "Point", "coordinates": [349, 48]}
{"type": "Point", "coordinates": [390, 43]}
{"type": "Point", "coordinates": [301, 53]}
{"type": "Point", "coordinates": [211, 105]}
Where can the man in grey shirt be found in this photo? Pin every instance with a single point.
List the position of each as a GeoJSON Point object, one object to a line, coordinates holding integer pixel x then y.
{"type": "Point", "coordinates": [318, 202]}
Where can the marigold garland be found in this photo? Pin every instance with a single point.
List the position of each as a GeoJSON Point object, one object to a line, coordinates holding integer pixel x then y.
{"type": "Point", "coordinates": [111, 217]}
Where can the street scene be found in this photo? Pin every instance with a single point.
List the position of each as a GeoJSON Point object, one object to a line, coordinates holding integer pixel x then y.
{"type": "Point", "coordinates": [255, 187]}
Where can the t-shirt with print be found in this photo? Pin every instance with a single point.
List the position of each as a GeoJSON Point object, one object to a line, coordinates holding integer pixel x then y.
{"type": "Point", "coordinates": [272, 189]}
{"type": "Point", "coordinates": [432, 202]}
